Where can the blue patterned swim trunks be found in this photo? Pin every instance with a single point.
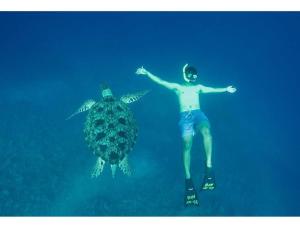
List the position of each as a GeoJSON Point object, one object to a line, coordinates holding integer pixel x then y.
{"type": "Point", "coordinates": [191, 119]}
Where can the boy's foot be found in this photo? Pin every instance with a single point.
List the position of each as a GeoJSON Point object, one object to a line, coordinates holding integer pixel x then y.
{"type": "Point", "coordinates": [209, 179]}
{"type": "Point", "coordinates": [190, 198]}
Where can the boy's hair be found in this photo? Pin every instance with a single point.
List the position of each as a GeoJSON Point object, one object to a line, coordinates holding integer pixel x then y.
{"type": "Point", "coordinates": [190, 70]}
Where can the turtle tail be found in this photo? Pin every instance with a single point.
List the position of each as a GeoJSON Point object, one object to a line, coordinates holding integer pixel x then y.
{"type": "Point", "coordinates": [113, 170]}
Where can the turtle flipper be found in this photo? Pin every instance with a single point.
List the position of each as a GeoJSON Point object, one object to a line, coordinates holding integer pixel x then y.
{"type": "Point", "coordinates": [98, 168]}
{"type": "Point", "coordinates": [133, 97]}
{"type": "Point", "coordinates": [124, 166]}
{"type": "Point", "coordinates": [84, 107]}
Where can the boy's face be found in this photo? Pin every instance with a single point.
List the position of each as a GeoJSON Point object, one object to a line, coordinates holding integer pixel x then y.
{"type": "Point", "coordinates": [192, 77]}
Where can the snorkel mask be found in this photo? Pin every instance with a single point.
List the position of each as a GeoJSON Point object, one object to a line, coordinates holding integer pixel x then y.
{"type": "Point", "coordinates": [189, 73]}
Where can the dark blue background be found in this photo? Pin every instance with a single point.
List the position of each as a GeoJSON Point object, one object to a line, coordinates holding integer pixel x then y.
{"type": "Point", "coordinates": [50, 62]}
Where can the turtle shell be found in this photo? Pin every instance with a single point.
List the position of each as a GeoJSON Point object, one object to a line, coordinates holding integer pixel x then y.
{"type": "Point", "coordinates": [110, 130]}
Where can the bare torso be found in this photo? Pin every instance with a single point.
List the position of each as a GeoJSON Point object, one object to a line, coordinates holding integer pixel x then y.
{"type": "Point", "coordinates": [189, 98]}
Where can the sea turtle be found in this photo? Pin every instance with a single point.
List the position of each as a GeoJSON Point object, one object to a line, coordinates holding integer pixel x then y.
{"type": "Point", "coordinates": [110, 129]}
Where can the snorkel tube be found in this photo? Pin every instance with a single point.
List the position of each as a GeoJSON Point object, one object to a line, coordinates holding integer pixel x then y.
{"type": "Point", "coordinates": [184, 74]}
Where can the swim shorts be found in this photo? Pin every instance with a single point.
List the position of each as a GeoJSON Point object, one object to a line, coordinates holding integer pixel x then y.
{"type": "Point", "coordinates": [191, 119]}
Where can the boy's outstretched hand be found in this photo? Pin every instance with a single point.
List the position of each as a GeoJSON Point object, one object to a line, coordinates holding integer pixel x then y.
{"type": "Point", "coordinates": [231, 89]}
{"type": "Point", "coordinates": [141, 71]}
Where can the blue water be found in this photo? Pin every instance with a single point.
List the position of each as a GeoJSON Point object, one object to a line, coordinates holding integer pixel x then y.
{"type": "Point", "coordinates": [51, 62]}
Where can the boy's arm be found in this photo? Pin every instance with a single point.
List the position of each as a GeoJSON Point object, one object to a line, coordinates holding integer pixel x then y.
{"type": "Point", "coordinates": [205, 89]}
{"type": "Point", "coordinates": [143, 71]}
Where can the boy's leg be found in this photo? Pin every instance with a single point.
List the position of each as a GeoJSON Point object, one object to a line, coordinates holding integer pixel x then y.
{"type": "Point", "coordinates": [187, 147]}
{"type": "Point", "coordinates": [207, 142]}
{"type": "Point", "coordinates": [209, 178]}
{"type": "Point", "coordinates": [190, 192]}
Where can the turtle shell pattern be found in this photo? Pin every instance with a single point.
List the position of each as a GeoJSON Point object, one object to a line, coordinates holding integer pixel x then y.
{"type": "Point", "coordinates": [110, 130]}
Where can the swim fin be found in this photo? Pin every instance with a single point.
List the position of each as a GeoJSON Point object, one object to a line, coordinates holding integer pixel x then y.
{"type": "Point", "coordinates": [190, 198]}
{"type": "Point", "coordinates": [209, 179]}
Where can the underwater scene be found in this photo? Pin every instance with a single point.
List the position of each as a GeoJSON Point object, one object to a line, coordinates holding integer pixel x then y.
{"type": "Point", "coordinates": [100, 113]}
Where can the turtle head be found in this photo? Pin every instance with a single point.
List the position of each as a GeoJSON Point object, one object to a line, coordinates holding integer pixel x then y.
{"type": "Point", "coordinates": [105, 91]}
